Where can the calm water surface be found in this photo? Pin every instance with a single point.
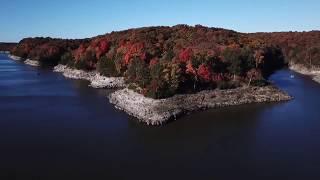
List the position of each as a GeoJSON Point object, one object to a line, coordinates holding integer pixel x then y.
{"type": "Point", "coordinates": [56, 128]}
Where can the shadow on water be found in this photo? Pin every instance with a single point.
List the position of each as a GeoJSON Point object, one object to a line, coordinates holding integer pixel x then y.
{"type": "Point", "coordinates": [57, 128]}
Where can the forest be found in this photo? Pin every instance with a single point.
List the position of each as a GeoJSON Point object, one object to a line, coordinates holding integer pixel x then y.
{"type": "Point", "coordinates": [47, 51]}
{"type": "Point", "coordinates": [7, 46]}
{"type": "Point", "coordinates": [297, 47]}
{"type": "Point", "coordinates": [159, 62]}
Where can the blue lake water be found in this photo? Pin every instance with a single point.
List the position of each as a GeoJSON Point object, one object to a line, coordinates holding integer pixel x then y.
{"type": "Point", "coordinates": [56, 128]}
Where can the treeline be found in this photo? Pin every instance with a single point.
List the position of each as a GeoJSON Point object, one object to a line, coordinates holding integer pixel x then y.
{"type": "Point", "coordinates": [297, 47]}
{"type": "Point", "coordinates": [162, 61]}
{"type": "Point", "coordinates": [47, 51]}
{"type": "Point", "coordinates": [7, 46]}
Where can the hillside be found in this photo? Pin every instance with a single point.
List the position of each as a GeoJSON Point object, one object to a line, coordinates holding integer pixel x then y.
{"type": "Point", "coordinates": [297, 47]}
{"type": "Point", "coordinates": [162, 61]}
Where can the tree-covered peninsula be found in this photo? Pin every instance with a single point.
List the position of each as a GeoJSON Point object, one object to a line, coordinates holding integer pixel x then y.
{"type": "Point", "coordinates": [170, 70]}
{"type": "Point", "coordinates": [160, 62]}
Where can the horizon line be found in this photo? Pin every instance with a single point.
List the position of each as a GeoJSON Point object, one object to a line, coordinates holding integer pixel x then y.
{"type": "Point", "coordinates": [139, 27]}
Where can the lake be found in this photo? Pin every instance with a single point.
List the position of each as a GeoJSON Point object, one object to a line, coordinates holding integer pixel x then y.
{"type": "Point", "coordinates": [56, 128]}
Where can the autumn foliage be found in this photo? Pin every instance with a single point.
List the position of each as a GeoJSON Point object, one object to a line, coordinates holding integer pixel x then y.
{"type": "Point", "coordinates": [7, 46]}
{"type": "Point", "coordinates": [297, 47]}
{"type": "Point", "coordinates": [185, 55]}
{"type": "Point", "coordinates": [45, 50]}
{"type": "Point", "coordinates": [204, 72]}
{"type": "Point", "coordinates": [163, 61]}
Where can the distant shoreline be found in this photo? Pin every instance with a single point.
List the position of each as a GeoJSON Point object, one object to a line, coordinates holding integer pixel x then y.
{"type": "Point", "coordinates": [314, 73]}
{"type": "Point", "coordinates": [96, 80]}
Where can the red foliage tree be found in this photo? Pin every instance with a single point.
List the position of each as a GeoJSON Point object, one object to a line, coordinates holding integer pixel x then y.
{"type": "Point", "coordinates": [186, 55]}
{"type": "Point", "coordinates": [190, 69]}
{"type": "Point", "coordinates": [204, 72]}
{"type": "Point", "coordinates": [102, 48]}
{"type": "Point", "coordinates": [134, 50]}
{"type": "Point", "coordinates": [79, 52]}
{"type": "Point", "coordinates": [153, 62]}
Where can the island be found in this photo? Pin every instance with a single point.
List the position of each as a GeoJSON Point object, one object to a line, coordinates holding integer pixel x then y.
{"type": "Point", "coordinates": [161, 73]}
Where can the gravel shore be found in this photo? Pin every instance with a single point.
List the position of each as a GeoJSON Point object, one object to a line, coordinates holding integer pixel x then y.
{"type": "Point", "coordinates": [314, 73]}
{"type": "Point", "coordinates": [32, 62]}
{"type": "Point", "coordinates": [157, 112]}
{"type": "Point", "coordinates": [27, 61]}
{"type": "Point", "coordinates": [96, 80]}
{"type": "Point", "coordinates": [17, 58]}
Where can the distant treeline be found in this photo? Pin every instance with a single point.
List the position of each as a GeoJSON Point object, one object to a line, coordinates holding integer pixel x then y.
{"type": "Point", "coordinates": [297, 47]}
{"type": "Point", "coordinates": [162, 61]}
{"type": "Point", "coordinates": [7, 46]}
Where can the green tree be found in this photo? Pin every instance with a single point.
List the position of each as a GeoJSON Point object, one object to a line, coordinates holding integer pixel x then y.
{"type": "Point", "coordinates": [313, 54]}
{"type": "Point", "coordinates": [167, 56]}
{"type": "Point", "coordinates": [172, 75]}
{"type": "Point", "coordinates": [138, 72]}
{"type": "Point", "coordinates": [66, 59]}
{"type": "Point", "coordinates": [119, 63]}
{"type": "Point", "coordinates": [240, 60]}
{"type": "Point", "coordinates": [107, 67]}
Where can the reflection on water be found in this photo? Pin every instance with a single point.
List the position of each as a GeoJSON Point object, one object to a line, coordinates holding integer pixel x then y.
{"type": "Point", "coordinates": [57, 128]}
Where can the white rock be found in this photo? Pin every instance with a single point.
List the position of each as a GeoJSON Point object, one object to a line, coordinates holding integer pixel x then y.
{"type": "Point", "coordinates": [157, 111]}
{"type": "Point", "coordinates": [313, 72]}
{"type": "Point", "coordinates": [99, 81]}
{"type": "Point", "coordinates": [32, 62]}
{"type": "Point", "coordinates": [17, 58]}
{"type": "Point", "coordinates": [96, 80]}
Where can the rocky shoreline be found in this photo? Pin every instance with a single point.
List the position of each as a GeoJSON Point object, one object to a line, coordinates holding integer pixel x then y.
{"type": "Point", "coordinates": [313, 72]}
{"type": "Point", "coordinates": [157, 112]}
{"type": "Point", "coordinates": [16, 58]}
{"type": "Point", "coordinates": [32, 62]}
{"type": "Point", "coordinates": [96, 80]}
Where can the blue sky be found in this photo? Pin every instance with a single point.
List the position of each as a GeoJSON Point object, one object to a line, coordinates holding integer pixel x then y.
{"type": "Point", "coordinates": [87, 18]}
